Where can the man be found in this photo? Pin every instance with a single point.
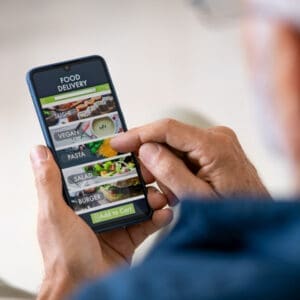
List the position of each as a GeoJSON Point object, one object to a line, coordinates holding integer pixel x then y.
{"type": "Point", "coordinates": [217, 250]}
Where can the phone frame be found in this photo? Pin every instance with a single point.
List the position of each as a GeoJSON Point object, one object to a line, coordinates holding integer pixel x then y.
{"type": "Point", "coordinates": [106, 225]}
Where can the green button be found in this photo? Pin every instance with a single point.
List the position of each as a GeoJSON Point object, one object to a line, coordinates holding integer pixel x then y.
{"type": "Point", "coordinates": [112, 213]}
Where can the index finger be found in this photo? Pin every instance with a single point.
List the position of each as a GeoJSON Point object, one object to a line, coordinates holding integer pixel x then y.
{"type": "Point", "coordinates": [178, 135]}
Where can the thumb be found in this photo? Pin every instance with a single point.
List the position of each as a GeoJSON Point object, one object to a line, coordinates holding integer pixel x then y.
{"type": "Point", "coordinates": [172, 172]}
{"type": "Point", "coordinates": [47, 177]}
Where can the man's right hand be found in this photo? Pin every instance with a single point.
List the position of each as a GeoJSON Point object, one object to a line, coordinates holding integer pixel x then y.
{"type": "Point", "coordinates": [189, 161]}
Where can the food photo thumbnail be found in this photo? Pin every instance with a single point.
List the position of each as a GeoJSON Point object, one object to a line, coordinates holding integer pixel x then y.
{"type": "Point", "coordinates": [78, 110]}
{"type": "Point", "coordinates": [107, 193]}
{"type": "Point", "coordinates": [81, 132]}
{"type": "Point", "coordinates": [101, 172]}
{"type": "Point", "coordinates": [85, 153]}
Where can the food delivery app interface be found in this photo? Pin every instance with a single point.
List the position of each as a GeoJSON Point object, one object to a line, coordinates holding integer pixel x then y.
{"type": "Point", "coordinates": [82, 116]}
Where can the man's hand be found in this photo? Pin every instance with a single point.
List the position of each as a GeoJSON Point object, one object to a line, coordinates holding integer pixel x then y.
{"type": "Point", "coordinates": [187, 160]}
{"type": "Point", "coordinates": [72, 252]}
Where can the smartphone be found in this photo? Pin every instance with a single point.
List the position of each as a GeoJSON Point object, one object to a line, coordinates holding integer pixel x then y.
{"type": "Point", "coordinates": [79, 112]}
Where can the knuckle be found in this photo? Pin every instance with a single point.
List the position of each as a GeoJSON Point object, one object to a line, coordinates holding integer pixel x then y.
{"type": "Point", "coordinates": [168, 122]}
{"type": "Point", "coordinates": [225, 136]}
{"type": "Point", "coordinates": [224, 143]}
{"type": "Point", "coordinates": [225, 140]}
{"type": "Point", "coordinates": [165, 165]}
{"type": "Point", "coordinates": [45, 176]}
{"type": "Point", "coordinates": [226, 131]}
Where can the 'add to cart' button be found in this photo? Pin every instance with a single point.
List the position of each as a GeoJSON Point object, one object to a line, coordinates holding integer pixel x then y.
{"type": "Point", "coordinates": [112, 213]}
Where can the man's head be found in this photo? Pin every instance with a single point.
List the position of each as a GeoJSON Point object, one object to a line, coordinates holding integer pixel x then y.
{"type": "Point", "coordinates": [272, 42]}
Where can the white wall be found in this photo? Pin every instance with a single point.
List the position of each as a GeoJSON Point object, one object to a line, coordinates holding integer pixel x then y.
{"type": "Point", "coordinates": [163, 62]}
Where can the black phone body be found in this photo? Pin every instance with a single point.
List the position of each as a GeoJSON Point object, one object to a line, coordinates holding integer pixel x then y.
{"type": "Point", "coordinates": [79, 113]}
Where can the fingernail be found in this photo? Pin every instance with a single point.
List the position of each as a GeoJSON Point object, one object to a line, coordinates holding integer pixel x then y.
{"type": "Point", "coordinates": [147, 153]}
{"type": "Point", "coordinates": [39, 154]}
{"type": "Point", "coordinates": [173, 201]}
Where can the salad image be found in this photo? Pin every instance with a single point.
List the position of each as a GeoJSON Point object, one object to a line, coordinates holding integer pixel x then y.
{"type": "Point", "coordinates": [111, 168]}
{"type": "Point", "coordinates": [98, 173]}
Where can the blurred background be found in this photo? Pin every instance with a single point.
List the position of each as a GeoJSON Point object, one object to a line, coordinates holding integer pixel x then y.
{"type": "Point", "coordinates": [165, 61]}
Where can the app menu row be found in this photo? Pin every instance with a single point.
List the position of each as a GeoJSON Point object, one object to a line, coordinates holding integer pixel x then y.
{"type": "Point", "coordinates": [86, 176]}
{"type": "Point", "coordinates": [129, 189]}
{"type": "Point", "coordinates": [83, 131]}
{"type": "Point", "coordinates": [60, 114]}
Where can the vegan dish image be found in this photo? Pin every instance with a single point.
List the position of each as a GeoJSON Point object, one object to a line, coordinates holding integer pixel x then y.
{"type": "Point", "coordinates": [81, 132]}
{"type": "Point", "coordinates": [112, 167]}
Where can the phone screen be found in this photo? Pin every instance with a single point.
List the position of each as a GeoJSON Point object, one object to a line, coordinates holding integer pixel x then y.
{"type": "Point", "coordinates": [80, 113]}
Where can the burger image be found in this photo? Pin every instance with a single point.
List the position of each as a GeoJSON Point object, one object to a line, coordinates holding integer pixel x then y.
{"type": "Point", "coordinates": [122, 189]}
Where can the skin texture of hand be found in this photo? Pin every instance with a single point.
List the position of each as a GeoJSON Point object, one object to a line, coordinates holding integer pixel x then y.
{"type": "Point", "coordinates": [72, 252]}
{"type": "Point", "coordinates": [187, 160]}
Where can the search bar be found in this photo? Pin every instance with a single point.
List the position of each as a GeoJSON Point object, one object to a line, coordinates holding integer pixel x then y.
{"type": "Point", "coordinates": [74, 94]}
